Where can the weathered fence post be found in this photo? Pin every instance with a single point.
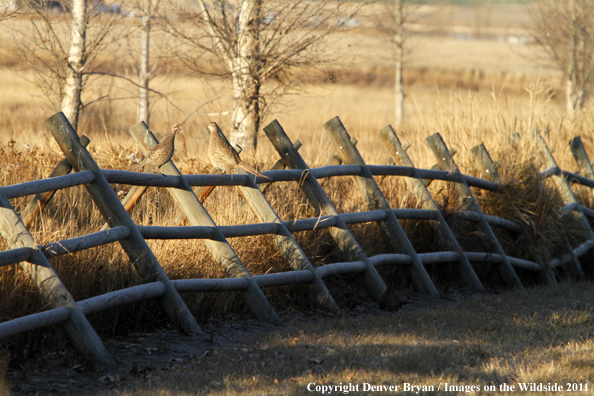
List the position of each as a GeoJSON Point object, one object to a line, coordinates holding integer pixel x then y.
{"type": "Point", "coordinates": [418, 187]}
{"type": "Point", "coordinates": [581, 158]}
{"type": "Point", "coordinates": [108, 203]}
{"type": "Point", "coordinates": [49, 285]}
{"type": "Point", "coordinates": [373, 196]}
{"type": "Point", "coordinates": [218, 246]}
{"type": "Point", "coordinates": [285, 242]}
{"type": "Point", "coordinates": [39, 201]}
{"type": "Point", "coordinates": [568, 198]}
{"type": "Point", "coordinates": [324, 207]}
{"type": "Point", "coordinates": [488, 238]}
{"type": "Point", "coordinates": [481, 155]}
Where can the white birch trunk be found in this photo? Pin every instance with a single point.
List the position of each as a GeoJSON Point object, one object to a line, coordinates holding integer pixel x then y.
{"type": "Point", "coordinates": [71, 102]}
{"type": "Point", "coordinates": [144, 72]}
{"type": "Point", "coordinates": [399, 55]}
{"type": "Point", "coordinates": [245, 120]}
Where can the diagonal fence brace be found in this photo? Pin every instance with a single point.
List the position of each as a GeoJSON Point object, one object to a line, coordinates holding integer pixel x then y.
{"type": "Point", "coordinates": [373, 196]}
{"type": "Point", "coordinates": [108, 203]}
{"type": "Point", "coordinates": [317, 196]}
{"type": "Point", "coordinates": [418, 187]}
{"type": "Point", "coordinates": [487, 166]}
{"type": "Point", "coordinates": [568, 198]}
{"type": "Point", "coordinates": [285, 242]}
{"type": "Point", "coordinates": [487, 237]}
{"type": "Point", "coordinates": [49, 285]}
{"type": "Point", "coordinates": [218, 246]}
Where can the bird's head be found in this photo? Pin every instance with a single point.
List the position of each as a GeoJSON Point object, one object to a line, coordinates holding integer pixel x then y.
{"type": "Point", "coordinates": [212, 126]}
{"type": "Point", "coordinates": [176, 128]}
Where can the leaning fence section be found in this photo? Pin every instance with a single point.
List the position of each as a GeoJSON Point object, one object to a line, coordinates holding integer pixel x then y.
{"type": "Point", "coordinates": [190, 191]}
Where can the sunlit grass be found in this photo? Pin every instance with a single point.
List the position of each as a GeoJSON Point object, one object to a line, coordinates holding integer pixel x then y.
{"type": "Point", "coordinates": [542, 335]}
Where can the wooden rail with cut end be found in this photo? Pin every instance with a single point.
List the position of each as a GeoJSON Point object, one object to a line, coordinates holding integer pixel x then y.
{"type": "Point", "coordinates": [487, 237]}
{"type": "Point", "coordinates": [486, 164]}
{"type": "Point", "coordinates": [218, 245]}
{"type": "Point", "coordinates": [108, 203]}
{"type": "Point", "coordinates": [324, 207]}
{"type": "Point", "coordinates": [371, 193]}
{"type": "Point", "coordinates": [51, 288]}
{"type": "Point", "coordinates": [568, 197]}
{"type": "Point", "coordinates": [418, 187]}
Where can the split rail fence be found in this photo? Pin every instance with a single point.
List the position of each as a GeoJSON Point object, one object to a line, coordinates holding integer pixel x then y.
{"type": "Point", "coordinates": [120, 228]}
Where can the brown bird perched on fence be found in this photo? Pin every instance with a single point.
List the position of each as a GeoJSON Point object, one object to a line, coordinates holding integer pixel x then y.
{"type": "Point", "coordinates": [223, 155]}
{"type": "Point", "coordinates": [159, 155]}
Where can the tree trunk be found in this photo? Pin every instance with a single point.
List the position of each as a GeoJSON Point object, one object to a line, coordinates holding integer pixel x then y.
{"type": "Point", "coordinates": [399, 55]}
{"type": "Point", "coordinates": [246, 84]}
{"type": "Point", "coordinates": [575, 96]}
{"type": "Point", "coordinates": [143, 74]}
{"type": "Point", "coordinates": [71, 102]}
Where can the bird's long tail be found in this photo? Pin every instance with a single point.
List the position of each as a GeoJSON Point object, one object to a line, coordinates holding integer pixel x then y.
{"type": "Point", "coordinates": [139, 167]}
{"type": "Point", "coordinates": [248, 168]}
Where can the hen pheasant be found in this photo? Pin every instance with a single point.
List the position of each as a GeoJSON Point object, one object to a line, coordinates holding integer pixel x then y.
{"type": "Point", "coordinates": [223, 155]}
{"type": "Point", "coordinates": [159, 155]}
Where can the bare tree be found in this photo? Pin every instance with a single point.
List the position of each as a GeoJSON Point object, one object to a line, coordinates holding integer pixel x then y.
{"type": "Point", "coordinates": [395, 26]}
{"type": "Point", "coordinates": [253, 42]}
{"type": "Point", "coordinates": [71, 102]}
{"type": "Point", "coordinates": [564, 29]}
{"type": "Point", "coordinates": [62, 49]}
{"type": "Point", "coordinates": [147, 10]}
{"type": "Point", "coordinates": [399, 18]}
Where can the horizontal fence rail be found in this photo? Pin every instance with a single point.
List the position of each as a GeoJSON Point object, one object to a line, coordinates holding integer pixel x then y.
{"type": "Point", "coordinates": [133, 236]}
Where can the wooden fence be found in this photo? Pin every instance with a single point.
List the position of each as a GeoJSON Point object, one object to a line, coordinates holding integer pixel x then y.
{"type": "Point", "coordinates": [120, 228]}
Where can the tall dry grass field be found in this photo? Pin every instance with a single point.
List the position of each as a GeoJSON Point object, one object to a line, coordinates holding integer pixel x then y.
{"type": "Point", "coordinates": [469, 91]}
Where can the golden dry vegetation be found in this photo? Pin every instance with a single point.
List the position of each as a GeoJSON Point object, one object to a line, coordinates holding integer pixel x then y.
{"type": "Point", "coordinates": [471, 91]}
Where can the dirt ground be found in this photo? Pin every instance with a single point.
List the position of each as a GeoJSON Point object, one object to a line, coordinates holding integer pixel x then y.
{"type": "Point", "coordinates": [142, 356]}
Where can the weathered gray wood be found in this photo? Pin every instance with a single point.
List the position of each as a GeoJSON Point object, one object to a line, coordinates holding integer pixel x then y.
{"type": "Point", "coordinates": [342, 268]}
{"type": "Point", "coordinates": [210, 285]}
{"type": "Point", "coordinates": [324, 207]}
{"type": "Point", "coordinates": [581, 157]}
{"type": "Point", "coordinates": [374, 198]}
{"type": "Point", "coordinates": [418, 187]}
{"type": "Point", "coordinates": [36, 321]}
{"type": "Point", "coordinates": [45, 185]}
{"type": "Point", "coordinates": [108, 203]}
{"type": "Point", "coordinates": [218, 245]}
{"type": "Point", "coordinates": [14, 256]}
{"type": "Point", "coordinates": [286, 244]}
{"type": "Point", "coordinates": [498, 259]}
{"type": "Point", "coordinates": [567, 196]}
{"type": "Point", "coordinates": [426, 174]}
{"type": "Point", "coordinates": [487, 237]}
{"type": "Point", "coordinates": [415, 214]}
{"type": "Point", "coordinates": [85, 242]}
{"type": "Point", "coordinates": [50, 286]}
{"type": "Point", "coordinates": [193, 232]}
{"type": "Point", "coordinates": [363, 217]}
{"type": "Point", "coordinates": [140, 179]}
{"type": "Point", "coordinates": [122, 297]}
{"type": "Point", "coordinates": [488, 168]}
{"type": "Point", "coordinates": [390, 259]}
{"type": "Point", "coordinates": [492, 220]}
{"type": "Point", "coordinates": [286, 278]}
{"type": "Point", "coordinates": [486, 164]}
{"type": "Point", "coordinates": [39, 201]}
{"type": "Point", "coordinates": [279, 165]}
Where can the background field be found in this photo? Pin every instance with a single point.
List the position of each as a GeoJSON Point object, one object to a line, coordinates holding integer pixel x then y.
{"type": "Point", "coordinates": [472, 74]}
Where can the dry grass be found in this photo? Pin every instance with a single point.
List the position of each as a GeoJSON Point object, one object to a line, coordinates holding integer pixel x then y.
{"type": "Point", "coordinates": [463, 99]}
{"type": "Point", "coordinates": [542, 335]}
